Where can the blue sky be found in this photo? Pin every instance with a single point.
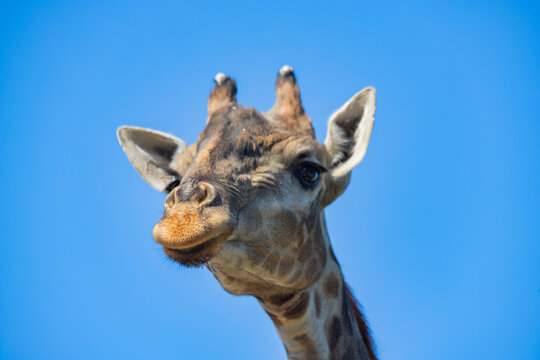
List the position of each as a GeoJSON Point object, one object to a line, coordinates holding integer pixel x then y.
{"type": "Point", "coordinates": [438, 233]}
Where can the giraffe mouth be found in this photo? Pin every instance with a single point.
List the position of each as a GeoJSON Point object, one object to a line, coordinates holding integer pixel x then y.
{"type": "Point", "coordinates": [197, 255]}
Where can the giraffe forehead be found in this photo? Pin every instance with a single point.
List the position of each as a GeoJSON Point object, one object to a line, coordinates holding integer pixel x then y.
{"type": "Point", "coordinates": [230, 121]}
{"type": "Point", "coordinates": [237, 133]}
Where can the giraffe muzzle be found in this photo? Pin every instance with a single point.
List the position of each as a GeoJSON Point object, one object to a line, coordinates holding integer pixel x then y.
{"type": "Point", "coordinates": [194, 214]}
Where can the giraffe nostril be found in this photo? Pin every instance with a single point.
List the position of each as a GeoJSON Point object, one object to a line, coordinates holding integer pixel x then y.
{"type": "Point", "coordinates": [204, 193]}
{"type": "Point", "coordinates": [171, 199]}
{"type": "Point", "coordinates": [199, 194]}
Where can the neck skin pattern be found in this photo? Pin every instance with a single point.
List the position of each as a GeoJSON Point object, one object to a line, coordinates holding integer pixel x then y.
{"type": "Point", "coordinates": [322, 321]}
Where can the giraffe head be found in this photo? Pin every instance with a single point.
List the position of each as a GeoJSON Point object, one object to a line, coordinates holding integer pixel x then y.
{"type": "Point", "coordinates": [246, 199]}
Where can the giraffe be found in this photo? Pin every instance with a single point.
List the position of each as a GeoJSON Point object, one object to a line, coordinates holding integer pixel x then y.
{"type": "Point", "coordinates": [247, 201]}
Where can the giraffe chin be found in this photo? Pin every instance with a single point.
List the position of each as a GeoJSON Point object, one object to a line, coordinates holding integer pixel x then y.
{"type": "Point", "coordinates": [195, 256]}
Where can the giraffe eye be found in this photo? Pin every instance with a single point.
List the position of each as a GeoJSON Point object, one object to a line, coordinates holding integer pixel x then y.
{"type": "Point", "coordinates": [309, 174]}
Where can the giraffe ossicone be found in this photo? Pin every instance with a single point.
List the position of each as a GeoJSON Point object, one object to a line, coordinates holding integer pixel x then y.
{"type": "Point", "coordinates": [247, 201]}
{"type": "Point", "coordinates": [285, 69]}
{"type": "Point", "coordinates": [220, 78]}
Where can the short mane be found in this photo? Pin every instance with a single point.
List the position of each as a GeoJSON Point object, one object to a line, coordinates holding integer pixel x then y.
{"type": "Point", "coordinates": [362, 324]}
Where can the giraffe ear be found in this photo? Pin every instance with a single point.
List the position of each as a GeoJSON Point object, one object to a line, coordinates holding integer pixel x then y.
{"type": "Point", "coordinates": [152, 152]}
{"type": "Point", "coordinates": [347, 139]}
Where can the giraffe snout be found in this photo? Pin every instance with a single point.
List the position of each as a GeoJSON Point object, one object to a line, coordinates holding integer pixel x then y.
{"type": "Point", "coordinates": [195, 213]}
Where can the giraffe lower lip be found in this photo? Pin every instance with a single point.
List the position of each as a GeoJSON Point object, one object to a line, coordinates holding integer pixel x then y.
{"type": "Point", "coordinates": [197, 255]}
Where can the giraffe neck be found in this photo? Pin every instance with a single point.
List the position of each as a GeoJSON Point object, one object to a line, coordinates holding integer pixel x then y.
{"type": "Point", "coordinates": [322, 321]}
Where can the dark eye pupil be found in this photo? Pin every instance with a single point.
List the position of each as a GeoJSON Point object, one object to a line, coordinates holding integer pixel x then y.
{"type": "Point", "coordinates": [309, 174]}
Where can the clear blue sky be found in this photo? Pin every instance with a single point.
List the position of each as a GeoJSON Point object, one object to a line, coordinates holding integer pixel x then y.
{"type": "Point", "coordinates": [438, 233]}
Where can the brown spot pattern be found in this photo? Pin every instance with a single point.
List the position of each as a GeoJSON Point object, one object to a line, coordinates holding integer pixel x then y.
{"type": "Point", "coordinates": [305, 250]}
{"type": "Point", "coordinates": [333, 333]}
{"type": "Point", "coordinates": [269, 264]}
{"type": "Point", "coordinates": [254, 256]}
{"type": "Point", "coordinates": [285, 266]}
{"type": "Point", "coordinates": [277, 322]}
{"type": "Point", "coordinates": [299, 307]}
{"type": "Point", "coordinates": [281, 299]}
{"type": "Point", "coordinates": [331, 286]}
{"type": "Point", "coordinates": [306, 342]}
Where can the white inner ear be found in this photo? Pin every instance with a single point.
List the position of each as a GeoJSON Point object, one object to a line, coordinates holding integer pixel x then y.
{"type": "Point", "coordinates": [151, 153]}
{"type": "Point", "coordinates": [349, 131]}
